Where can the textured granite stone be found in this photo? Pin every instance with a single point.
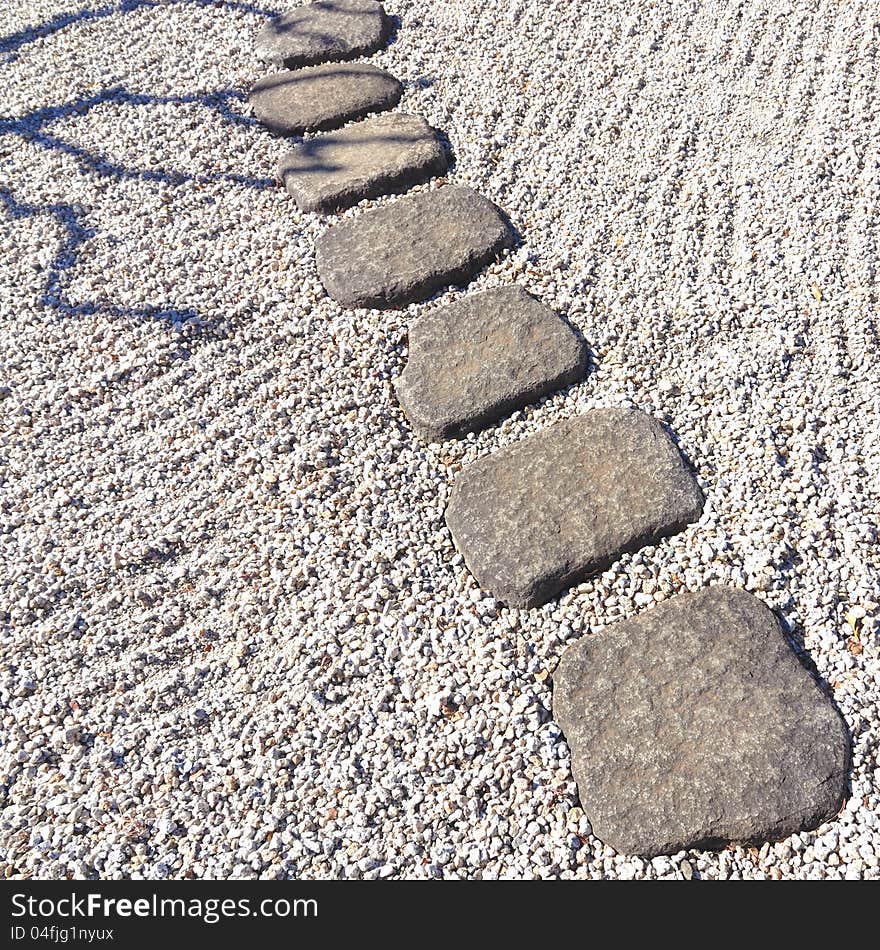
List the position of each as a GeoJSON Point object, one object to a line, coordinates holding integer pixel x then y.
{"type": "Point", "coordinates": [545, 513]}
{"type": "Point", "coordinates": [404, 251]}
{"type": "Point", "coordinates": [322, 97]}
{"type": "Point", "coordinates": [694, 725]}
{"type": "Point", "coordinates": [483, 357]}
{"type": "Point", "coordinates": [379, 155]}
{"type": "Point", "coordinates": [324, 31]}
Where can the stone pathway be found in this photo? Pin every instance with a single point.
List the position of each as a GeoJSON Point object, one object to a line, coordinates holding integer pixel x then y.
{"type": "Point", "coordinates": [691, 725]}
{"type": "Point", "coordinates": [374, 157]}
{"type": "Point", "coordinates": [322, 97]}
{"type": "Point", "coordinates": [405, 251]}
{"type": "Point", "coordinates": [545, 513]}
{"type": "Point", "coordinates": [694, 724]}
{"type": "Point", "coordinates": [324, 31]}
{"type": "Point", "coordinates": [483, 358]}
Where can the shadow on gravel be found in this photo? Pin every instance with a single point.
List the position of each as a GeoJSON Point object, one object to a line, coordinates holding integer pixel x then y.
{"type": "Point", "coordinates": [673, 438]}
{"type": "Point", "coordinates": [446, 142]}
{"type": "Point", "coordinates": [301, 32]}
{"type": "Point", "coordinates": [31, 127]}
{"type": "Point", "coordinates": [395, 23]}
{"type": "Point", "coordinates": [13, 42]}
{"type": "Point", "coordinates": [68, 216]}
{"type": "Point", "coordinates": [34, 128]}
{"type": "Point", "coordinates": [795, 637]}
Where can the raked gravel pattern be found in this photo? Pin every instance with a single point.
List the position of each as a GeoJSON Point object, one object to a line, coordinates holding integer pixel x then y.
{"type": "Point", "coordinates": [237, 640]}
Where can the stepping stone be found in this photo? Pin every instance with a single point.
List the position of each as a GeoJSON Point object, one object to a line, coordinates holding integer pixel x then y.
{"type": "Point", "coordinates": [484, 357]}
{"type": "Point", "coordinates": [324, 31]}
{"type": "Point", "coordinates": [404, 251]}
{"type": "Point", "coordinates": [694, 725]}
{"type": "Point", "coordinates": [322, 97]}
{"type": "Point", "coordinates": [545, 513]}
{"type": "Point", "coordinates": [382, 154]}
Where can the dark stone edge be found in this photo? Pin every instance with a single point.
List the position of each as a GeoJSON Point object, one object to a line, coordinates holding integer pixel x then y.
{"type": "Point", "coordinates": [340, 120]}
{"type": "Point", "coordinates": [545, 589]}
{"type": "Point", "coordinates": [456, 277]}
{"type": "Point", "coordinates": [432, 432]}
{"type": "Point", "coordinates": [365, 49]}
{"type": "Point", "coordinates": [779, 830]}
{"type": "Point", "coordinates": [382, 185]}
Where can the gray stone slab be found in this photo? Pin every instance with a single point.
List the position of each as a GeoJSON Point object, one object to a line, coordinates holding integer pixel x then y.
{"type": "Point", "coordinates": [694, 725]}
{"type": "Point", "coordinates": [483, 357]}
{"type": "Point", "coordinates": [325, 31]}
{"type": "Point", "coordinates": [380, 155]}
{"type": "Point", "coordinates": [547, 512]}
{"type": "Point", "coordinates": [317, 98]}
{"type": "Point", "coordinates": [406, 250]}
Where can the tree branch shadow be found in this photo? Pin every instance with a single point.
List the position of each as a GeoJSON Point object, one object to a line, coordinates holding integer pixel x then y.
{"type": "Point", "coordinates": [76, 234]}
{"type": "Point", "coordinates": [33, 127]}
{"type": "Point", "coordinates": [13, 42]}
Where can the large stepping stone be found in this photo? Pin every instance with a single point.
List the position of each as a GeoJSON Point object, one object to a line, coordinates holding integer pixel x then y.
{"type": "Point", "coordinates": [694, 725]}
{"type": "Point", "coordinates": [370, 158]}
{"type": "Point", "coordinates": [545, 513]}
{"type": "Point", "coordinates": [322, 97]}
{"type": "Point", "coordinates": [404, 251]}
{"type": "Point", "coordinates": [325, 31]}
{"type": "Point", "coordinates": [483, 357]}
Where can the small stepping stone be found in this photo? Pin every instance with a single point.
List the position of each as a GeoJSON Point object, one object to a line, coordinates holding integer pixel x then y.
{"type": "Point", "coordinates": [484, 357]}
{"type": "Point", "coordinates": [322, 97]}
{"type": "Point", "coordinates": [382, 154]}
{"type": "Point", "coordinates": [694, 725]}
{"type": "Point", "coordinates": [547, 512]}
{"type": "Point", "coordinates": [405, 251]}
{"type": "Point", "coordinates": [322, 32]}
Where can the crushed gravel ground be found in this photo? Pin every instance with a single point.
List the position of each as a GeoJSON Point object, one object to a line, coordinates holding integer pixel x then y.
{"type": "Point", "coordinates": [236, 638]}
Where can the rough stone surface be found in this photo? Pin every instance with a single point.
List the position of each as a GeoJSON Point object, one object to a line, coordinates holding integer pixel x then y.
{"type": "Point", "coordinates": [479, 359]}
{"type": "Point", "coordinates": [211, 505]}
{"type": "Point", "coordinates": [292, 102]}
{"type": "Point", "coordinates": [546, 513]}
{"type": "Point", "coordinates": [694, 725]}
{"type": "Point", "coordinates": [324, 31]}
{"type": "Point", "coordinates": [370, 158]}
{"type": "Point", "coordinates": [406, 250]}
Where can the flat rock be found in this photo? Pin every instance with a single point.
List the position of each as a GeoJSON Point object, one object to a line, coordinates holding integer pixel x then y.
{"type": "Point", "coordinates": [483, 357]}
{"type": "Point", "coordinates": [292, 102]}
{"type": "Point", "coordinates": [370, 158]}
{"type": "Point", "coordinates": [325, 31]}
{"type": "Point", "coordinates": [545, 513]}
{"type": "Point", "coordinates": [404, 251]}
{"type": "Point", "coordinates": [694, 725]}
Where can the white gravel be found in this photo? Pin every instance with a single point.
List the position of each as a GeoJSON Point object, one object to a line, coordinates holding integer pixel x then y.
{"type": "Point", "coordinates": [236, 638]}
